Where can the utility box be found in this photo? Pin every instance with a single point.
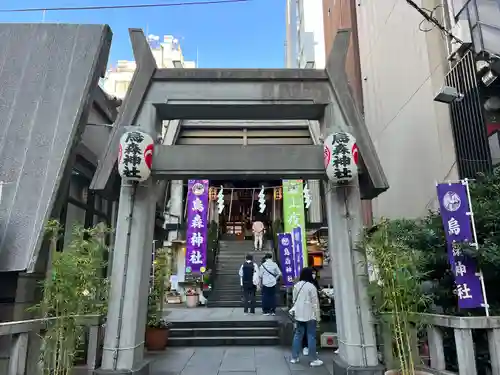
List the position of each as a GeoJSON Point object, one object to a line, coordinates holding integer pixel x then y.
{"type": "Point", "coordinates": [329, 340]}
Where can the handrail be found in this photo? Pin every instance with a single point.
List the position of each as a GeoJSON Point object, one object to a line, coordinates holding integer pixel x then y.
{"type": "Point", "coordinates": [26, 345]}
{"type": "Point", "coordinates": [465, 347]}
{"type": "Point", "coordinates": [30, 325]}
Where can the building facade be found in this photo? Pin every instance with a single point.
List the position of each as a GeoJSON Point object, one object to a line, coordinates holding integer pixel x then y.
{"type": "Point", "coordinates": [305, 35]}
{"type": "Point", "coordinates": [394, 70]}
{"type": "Point", "coordinates": [168, 54]}
{"type": "Point", "coordinates": [397, 65]}
{"type": "Point", "coordinates": [473, 47]}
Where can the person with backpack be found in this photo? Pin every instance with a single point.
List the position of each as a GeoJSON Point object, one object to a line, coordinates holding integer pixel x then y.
{"type": "Point", "coordinates": [306, 313]}
{"type": "Point", "coordinates": [269, 275]}
{"type": "Point", "coordinates": [249, 280]}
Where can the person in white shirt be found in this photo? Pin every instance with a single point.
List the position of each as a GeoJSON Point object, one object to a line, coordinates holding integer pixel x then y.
{"type": "Point", "coordinates": [249, 281]}
{"type": "Point", "coordinates": [258, 230]}
{"type": "Point", "coordinates": [269, 274]}
{"type": "Point", "coordinates": [306, 312]}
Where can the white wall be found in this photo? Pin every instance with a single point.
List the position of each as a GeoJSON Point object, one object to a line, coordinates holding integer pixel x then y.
{"type": "Point", "coordinates": [291, 34]}
{"type": "Point", "coordinates": [305, 33]}
{"type": "Point", "coordinates": [402, 68]}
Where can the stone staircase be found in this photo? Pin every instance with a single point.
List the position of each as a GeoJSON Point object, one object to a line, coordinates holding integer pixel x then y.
{"type": "Point", "coordinates": [227, 289]}
{"type": "Point", "coordinates": [256, 332]}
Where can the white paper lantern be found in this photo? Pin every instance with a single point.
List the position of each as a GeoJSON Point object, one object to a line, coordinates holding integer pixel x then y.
{"type": "Point", "coordinates": [135, 156]}
{"type": "Point", "coordinates": [341, 157]}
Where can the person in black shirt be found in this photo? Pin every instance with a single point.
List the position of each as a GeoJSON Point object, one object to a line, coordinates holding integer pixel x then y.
{"type": "Point", "coordinates": [249, 279]}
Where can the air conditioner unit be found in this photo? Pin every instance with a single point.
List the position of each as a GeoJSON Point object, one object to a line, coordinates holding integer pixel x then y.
{"type": "Point", "coordinates": [461, 30]}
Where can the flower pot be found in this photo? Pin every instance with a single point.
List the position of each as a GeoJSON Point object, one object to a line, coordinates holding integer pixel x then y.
{"type": "Point", "coordinates": [156, 338]}
{"type": "Point", "coordinates": [398, 372]}
{"type": "Point", "coordinates": [192, 301]}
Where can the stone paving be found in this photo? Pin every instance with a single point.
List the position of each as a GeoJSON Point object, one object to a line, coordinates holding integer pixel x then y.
{"type": "Point", "coordinates": [234, 361]}
{"type": "Point", "coordinates": [204, 314]}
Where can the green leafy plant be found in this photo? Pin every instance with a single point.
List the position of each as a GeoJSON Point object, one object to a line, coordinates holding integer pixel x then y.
{"type": "Point", "coordinates": [75, 286]}
{"type": "Point", "coordinates": [162, 270]}
{"type": "Point", "coordinates": [397, 290]}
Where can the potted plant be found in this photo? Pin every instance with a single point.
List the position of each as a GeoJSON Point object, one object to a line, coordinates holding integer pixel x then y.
{"type": "Point", "coordinates": [75, 285]}
{"type": "Point", "coordinates": [192, 297]}
{"type": "Point", "coordinates": [157, 329]}
{"type": "Point", "coordinates": [397, 295]}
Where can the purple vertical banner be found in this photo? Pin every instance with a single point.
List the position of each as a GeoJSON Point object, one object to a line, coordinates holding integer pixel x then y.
{"type": "Point", "coordinates": [197, 223]}
{"type": "Point", "coordinates": [297, 251]}
{"type": "Point", "coordinates": [285, 245]}
{"type": "Point", "coordinates": [456, 215]}
{"type": "Point", "coordinates": [455, 212]}
{"type": "Point", "coordinates": [468, 283]}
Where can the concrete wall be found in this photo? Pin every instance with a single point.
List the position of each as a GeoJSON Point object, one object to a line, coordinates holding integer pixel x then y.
{"type": "Point", "coordinates": [402, 68]}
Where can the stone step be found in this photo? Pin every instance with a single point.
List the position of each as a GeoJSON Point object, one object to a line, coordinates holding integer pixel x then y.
{"type": "Point", "coordinates": [237, 303]}
{"type": "Point", "coordinates": [205, 324]}
{"type": "Point", "coordinates": [225, 332]}
{"type": "Point", "coordinates": [258, 304]}
{"type": "Point", "coordinates": [224, 341]}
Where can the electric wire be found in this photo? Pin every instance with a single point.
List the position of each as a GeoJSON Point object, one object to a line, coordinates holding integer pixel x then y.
{"type": "Point", "coordinates": [430, 17]}
{"type": "Point", "coordinates": [123, 6]}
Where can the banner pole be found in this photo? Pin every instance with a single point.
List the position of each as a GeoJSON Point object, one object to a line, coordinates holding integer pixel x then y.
{"type": "Point", "coordinates": [251, 207]}
{"type": "Point", "coordinates": [476, 245]}
{"type": "Point", "coordinates": [230, 205]}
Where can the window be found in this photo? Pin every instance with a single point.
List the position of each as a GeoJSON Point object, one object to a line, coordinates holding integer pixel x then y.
{"type": "Point", "coordinates": [457, 6]}
{"type": "Point", "coordinates": [79, 187]}
{"type": "Point", "coordinates": [74, 216]}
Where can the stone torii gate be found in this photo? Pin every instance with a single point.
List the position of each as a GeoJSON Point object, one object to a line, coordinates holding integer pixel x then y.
{"type": "Point", "coordinates": [156, 95]}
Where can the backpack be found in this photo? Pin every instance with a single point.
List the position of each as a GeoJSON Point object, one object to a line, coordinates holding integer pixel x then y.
{"type": "Point", "coordinates": [248, 270]}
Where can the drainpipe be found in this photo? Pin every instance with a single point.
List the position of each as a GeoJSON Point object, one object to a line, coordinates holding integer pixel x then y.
{"type": "Point", "coordinates": [124, 282]}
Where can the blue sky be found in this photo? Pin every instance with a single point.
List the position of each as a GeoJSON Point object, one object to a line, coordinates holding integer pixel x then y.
{"type": "Point", "coordinates": [237, 35]}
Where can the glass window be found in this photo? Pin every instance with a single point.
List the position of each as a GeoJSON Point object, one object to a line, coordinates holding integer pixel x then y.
{"type": "Point", "coordinates": [488, 12]}
{"type": "Point", "coordinates": [98, 203]}
{"type": "Point", "coordinates": [74, 216]}
{"type": "Point", "coordinates": [457, 6]}
{"type": "Point", "coordinates": [473, 16]}
{"type": "Point", "coordinates": [490, 37]}
{"type": "Point", "coordinates": [494, 141]}
{"type": "Point", "coordinates": [79, 187]}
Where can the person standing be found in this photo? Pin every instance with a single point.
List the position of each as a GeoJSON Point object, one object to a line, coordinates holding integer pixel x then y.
{"type": "Point", "coordinates": [269, 274]}
{"type": "Point", "coordinates": [306, 312]}
{"type": "Point", "coordinates": [249, 281]}
{"type": "Point", "coordinates": [305, 349]}
{"type": "Point", "coordinates": [258, 230]}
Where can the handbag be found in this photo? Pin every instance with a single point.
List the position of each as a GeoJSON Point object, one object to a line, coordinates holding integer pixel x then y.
{"type": "Point", "coordinates": [292, 310]}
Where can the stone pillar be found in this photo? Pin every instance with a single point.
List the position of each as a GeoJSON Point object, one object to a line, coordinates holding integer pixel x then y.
{"type": "Point", "coordinates": [354, 319]}
{"type": "Point", "coordinates": [127, 310]}
{"type": "Point", "coordinates": [314, 212]}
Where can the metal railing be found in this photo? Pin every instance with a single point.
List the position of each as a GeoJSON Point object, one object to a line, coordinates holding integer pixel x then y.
{"type": "Point", "coordinates": [465, 346]}
{"type": "Point", "coordinates": [26, 342]}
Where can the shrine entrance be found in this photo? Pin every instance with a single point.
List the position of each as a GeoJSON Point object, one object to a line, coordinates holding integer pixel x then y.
{"type": "Point", "coordinates": [318, 101]}
{"type": "Point", "coordinates": [241, 206]}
